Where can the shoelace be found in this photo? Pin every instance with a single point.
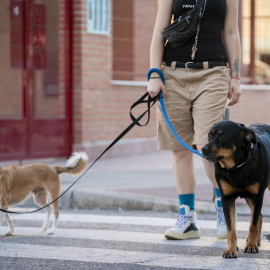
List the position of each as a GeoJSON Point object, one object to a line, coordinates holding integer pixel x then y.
{"type": "Point", "coordinates": [182, 220]}
{"type": "Point", "coordinates": [220, 216]}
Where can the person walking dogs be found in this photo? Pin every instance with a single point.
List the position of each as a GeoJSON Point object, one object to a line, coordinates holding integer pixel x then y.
{"type": "Point", "coordinates": [195, 96]}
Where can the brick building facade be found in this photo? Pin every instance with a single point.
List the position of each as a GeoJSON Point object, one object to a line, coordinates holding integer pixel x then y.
{"type": "Point", "coordinates": [110, 74]}
{"type": "Point", "coordinates": [107, 71]}
{"type": "Point", "coordinates": [95, 59]}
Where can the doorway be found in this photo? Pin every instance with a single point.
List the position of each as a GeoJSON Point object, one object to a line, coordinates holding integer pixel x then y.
{"type": "Point", "coordinates": [35, 79]}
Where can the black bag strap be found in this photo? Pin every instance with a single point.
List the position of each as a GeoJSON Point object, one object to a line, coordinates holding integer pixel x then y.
{"type": "Point", "coordinates": [149, 101]}
{"type": "Point", "coordinates": [175, 24]}
{"type": "Point", "coordinates": [194, 47]}
{"type": "Point", "coordinates": [199, 3]}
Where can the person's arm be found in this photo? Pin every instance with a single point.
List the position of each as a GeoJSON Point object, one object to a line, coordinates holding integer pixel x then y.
{"type": "Point", "coordinates": [233, 48]}
{"type": "Point", "coordinates": [157, 45]}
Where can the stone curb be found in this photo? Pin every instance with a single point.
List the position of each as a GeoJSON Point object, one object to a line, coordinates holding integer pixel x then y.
{"type": "Point", "coordinates": [82, 199]}
{"type": "Point", "coordinates": [89, 200]}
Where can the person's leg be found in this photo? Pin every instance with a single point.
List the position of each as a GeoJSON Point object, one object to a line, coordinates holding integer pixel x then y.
{"type": "Point", "coordinates": [179, 112]}
{"type": "Point", "coordinates": [209, 106]}
{"type": "Point", "coordinates": [209, 169]}
{"type": "Point", "coordinates": [183, 171]}
{"type": "Point", "coordinates": [186, 226]}
{"type": "Point", "coordinates": [210, 172]}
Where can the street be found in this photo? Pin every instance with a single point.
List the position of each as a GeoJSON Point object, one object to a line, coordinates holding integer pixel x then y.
{"type": "Point", "coordinates": [111, 239]}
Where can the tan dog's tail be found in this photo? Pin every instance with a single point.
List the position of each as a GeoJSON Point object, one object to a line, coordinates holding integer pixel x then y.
{"type": "Point", "coordinates": [81, 160]}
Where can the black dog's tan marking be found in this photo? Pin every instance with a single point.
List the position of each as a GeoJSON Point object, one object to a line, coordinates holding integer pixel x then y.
{"type": "Point", "coordinates": [242, 168]}
{"type": "Point", "coordinates": [227, 188]}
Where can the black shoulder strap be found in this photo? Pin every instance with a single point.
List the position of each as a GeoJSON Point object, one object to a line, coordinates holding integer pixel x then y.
{"type": "Point", "coordinates": [200, 2]}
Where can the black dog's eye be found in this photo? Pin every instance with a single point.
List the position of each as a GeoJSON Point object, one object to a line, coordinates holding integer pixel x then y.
{"type": "Point", "coordinates": [222, 137]}
{"type": "Point", "coordinates": [209, 136]}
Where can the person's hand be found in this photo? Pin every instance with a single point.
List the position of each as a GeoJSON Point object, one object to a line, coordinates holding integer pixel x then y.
{"type": "Point", "coordinates": [155, 86]}
{"type": "Point", "coordinates": [234, 92]}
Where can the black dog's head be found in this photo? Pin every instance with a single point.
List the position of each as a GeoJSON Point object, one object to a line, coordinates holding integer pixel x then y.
{"type": "Point", "coordinates": [229, 144]}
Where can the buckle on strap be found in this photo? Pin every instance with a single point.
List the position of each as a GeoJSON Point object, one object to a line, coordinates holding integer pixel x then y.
{"type": "Point", "coordinates": [186, 65]}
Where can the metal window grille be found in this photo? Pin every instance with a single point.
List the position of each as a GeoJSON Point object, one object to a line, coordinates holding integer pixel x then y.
{"type": "Point", "coordinates": [98, 12]}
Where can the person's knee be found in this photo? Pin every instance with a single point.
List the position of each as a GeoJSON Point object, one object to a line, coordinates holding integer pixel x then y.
{"type": "Point", "coordinates": [200, 146]}
{"type": "Point", "coordinates": [183, 155]}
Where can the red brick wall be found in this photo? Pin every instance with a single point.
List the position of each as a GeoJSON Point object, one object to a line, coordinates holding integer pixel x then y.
{"type": "Point", "coordinates": [122, 32]}
{"type": "Point", "coordinates": [11, 79]}
{"type": "Point", "coordinates": [101, 108]}
{"type": "Point", "coordinates": [145, 15]}
{"type": "Point", "coordinates": [133, 23]}
{"type": "Point", "coordinates": [253, 107]}
{"type": "Point", "coordinates": [91, 70]}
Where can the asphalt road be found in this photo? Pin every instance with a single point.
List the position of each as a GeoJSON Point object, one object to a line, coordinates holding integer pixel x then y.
{"type": "Point", "coordinates": [110, 239]}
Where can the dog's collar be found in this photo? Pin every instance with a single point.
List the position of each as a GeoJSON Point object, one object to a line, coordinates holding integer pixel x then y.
{"type": "Point", "coordinates": [246, 159]}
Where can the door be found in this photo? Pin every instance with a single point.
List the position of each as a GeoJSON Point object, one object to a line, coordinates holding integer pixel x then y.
{"type": "Point", "coordinates": [35, 79]}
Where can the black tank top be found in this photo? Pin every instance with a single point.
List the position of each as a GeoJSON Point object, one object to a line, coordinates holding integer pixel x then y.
{"type": "Point", "coordinates": [210, 44]}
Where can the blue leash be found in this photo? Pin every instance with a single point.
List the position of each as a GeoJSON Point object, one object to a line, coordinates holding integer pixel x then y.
{"type": "Point", "coordinates": [166, 117]}
{"type": "Point", "coordinates": [173, 130]}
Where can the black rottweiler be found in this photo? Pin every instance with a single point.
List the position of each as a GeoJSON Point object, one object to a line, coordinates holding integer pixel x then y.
{"type": "Point", "coordinates": [242, 168]}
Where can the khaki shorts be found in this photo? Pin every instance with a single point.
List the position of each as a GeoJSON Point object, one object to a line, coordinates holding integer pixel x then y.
{"type": "Point", "coordinates": [195, 100]}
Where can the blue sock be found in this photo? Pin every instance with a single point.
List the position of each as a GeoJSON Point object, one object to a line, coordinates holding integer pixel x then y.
{"type": "Point", "coordinates": [218, 195]}
{"type": "Point", "coordinates": [187, 199]}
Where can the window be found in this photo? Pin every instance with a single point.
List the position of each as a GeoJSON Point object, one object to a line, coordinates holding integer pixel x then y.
{"type": "Point", "coordinates": [133, 23]}
{"type": "Point", "coordinates": [98, 16]}
{"type": "Point", "coordinates": [256, 42]}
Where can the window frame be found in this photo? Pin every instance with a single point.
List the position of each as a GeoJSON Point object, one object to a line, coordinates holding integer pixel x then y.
{"type": "Point", "coordinates": [104, 21]}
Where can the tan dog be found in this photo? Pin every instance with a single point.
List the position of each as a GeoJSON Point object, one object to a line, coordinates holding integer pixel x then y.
{"type": "Point", "coordinates": [16, 183]}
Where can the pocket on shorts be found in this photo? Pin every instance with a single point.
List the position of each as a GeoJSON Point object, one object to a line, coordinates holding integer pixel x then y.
{"type": "Point", "coordinates": [164, 71]}
{"type": "Point", "coordinates": [226, 72]}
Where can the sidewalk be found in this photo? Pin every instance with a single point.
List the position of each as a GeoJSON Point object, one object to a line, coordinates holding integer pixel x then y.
{"type": "Point", "coordinates": [137, 182]}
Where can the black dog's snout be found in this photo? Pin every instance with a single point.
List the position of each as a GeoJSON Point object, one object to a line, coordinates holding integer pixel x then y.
{"type": "Point", "coordinates": [205, 150]}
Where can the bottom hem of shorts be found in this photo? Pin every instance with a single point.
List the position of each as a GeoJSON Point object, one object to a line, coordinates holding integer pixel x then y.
{"type": "Point", "coordinates": [171, 148]}
{"type": "Point", "coordinates": [196, 143]}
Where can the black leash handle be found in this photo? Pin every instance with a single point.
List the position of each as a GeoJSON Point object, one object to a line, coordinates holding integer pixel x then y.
{"type": "Point", "coordinates": [149, 101]}
{"type": "Point", "coordinates": [149, 105]}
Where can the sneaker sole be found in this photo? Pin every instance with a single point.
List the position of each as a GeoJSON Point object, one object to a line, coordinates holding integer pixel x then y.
{"type": "Point", "coordinates": [176, 236]}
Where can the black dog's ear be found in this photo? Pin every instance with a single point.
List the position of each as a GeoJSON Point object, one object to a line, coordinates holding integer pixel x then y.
{"type": "Point", "coordinates": [249, 135]}
{"type": "Point", "coordinates": [241, 125]}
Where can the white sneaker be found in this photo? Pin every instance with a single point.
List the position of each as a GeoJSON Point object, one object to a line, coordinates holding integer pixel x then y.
{"type": "Point", "coordinates": [186, 226]}
{"type": "Point", "coordinates": [221, 224]}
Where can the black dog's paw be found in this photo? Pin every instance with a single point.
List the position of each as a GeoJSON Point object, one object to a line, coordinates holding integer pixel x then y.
{"type": "Point", "coordinates": [230, 254]}
{"type": "Point", "coordinates": [251, 248]}
{"type": "Point", "coordinates": [258, 242]}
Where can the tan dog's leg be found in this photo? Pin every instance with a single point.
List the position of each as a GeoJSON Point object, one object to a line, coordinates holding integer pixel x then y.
{"type": "Point", "coordinates": [54, 191]}
{"type": "Point", "coordinates": [10, 225]}
{"type": "Point", "coordinates": [55, 217]}
{"type": "Point", "coordinates": [2, 216]}
{"type": "Point", "coordinates": [4, 206]}
{"type": "Point", "coordinates": [40, 198]}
